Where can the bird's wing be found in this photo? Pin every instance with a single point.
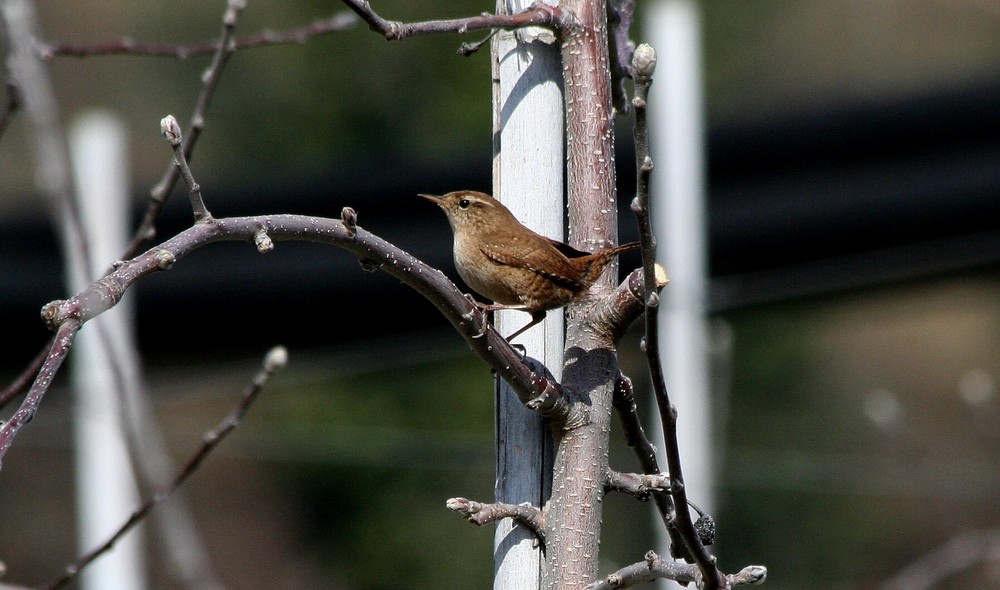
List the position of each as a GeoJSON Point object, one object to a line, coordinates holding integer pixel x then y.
{"type": "Point", "coordinates": [539, 256]}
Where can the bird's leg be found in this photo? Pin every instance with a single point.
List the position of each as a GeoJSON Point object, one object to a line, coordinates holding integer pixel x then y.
{"type": "Point", "coordinates": [536, 317]}
{"type": "Point", "coordinates": [481, 307]}
{"type": "Point", "coordinates": [489, 308]}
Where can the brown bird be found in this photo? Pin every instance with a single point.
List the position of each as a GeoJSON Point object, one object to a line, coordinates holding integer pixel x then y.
{"type": "Point", "coordinates": [515, 267]}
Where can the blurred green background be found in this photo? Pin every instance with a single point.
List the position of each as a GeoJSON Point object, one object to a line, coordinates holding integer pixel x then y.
{"type": "Point", "coordinates": [854, 185]}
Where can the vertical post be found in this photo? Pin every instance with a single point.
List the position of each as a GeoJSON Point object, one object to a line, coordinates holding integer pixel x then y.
{"type": "Point", "coordinates": [677, 136]}
{"type": "Point", "coordinates": [102, 371]}
{"type": "Point", "coordinates": [528, 162]}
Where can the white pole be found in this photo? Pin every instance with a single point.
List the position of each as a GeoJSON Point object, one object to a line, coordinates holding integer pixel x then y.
{"type": "Point", "coordinates": [527, 178]}
{"type": "Point", "coordinates": [673, 28]}
{"type": "Point", "coordinates": [102, 373]}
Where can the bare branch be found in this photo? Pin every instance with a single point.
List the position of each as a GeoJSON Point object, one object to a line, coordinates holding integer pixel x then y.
{"type": "Point", "coordinates": [535, 388]}
{"type": "Point", "coordinates": [643, 66]}
{"type": "Point", "coordinates": [616, 312]}
{"type": "Point", "coordinates": [172, 132]}
{"type": "Point", "coordinates": [479, 514]}
{"type": "Point", "coordinates": [640, 485]}
{"type": "Point", "coordinates": [334, 24]}
{"type": "Point", "coordinates": [158, 195]}
{"type": "Point", "coordinates": [654, 567]}
{"type": "Point", "coordinates": [274, 361]}
{"type": "Point", "coordinates": [24, 379]}
{"type": "Point", "coordinates": [635, 437]}
{"type": "Point", "coordinates": [61, 344]}
{"type": "Point", "coordinates": [538, 14]}
{"type": "Point", "coordinates": [51, 152]}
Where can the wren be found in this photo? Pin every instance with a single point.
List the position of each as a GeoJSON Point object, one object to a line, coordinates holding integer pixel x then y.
{"type": "Point", "coordinates": [515, 267]}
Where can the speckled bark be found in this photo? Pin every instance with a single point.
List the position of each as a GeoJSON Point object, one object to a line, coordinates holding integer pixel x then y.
{"type": "Point", "coordinates": [574, 509]}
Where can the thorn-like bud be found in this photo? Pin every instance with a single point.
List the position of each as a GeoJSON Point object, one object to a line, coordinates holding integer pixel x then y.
{"type": "Point", "coordinates": [643, 61]}
{"type": "Point", "coordinates": [171, 130]}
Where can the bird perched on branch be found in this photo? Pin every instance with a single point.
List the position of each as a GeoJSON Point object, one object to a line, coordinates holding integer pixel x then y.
{"type": "Point", "coordinates": [515, 267]}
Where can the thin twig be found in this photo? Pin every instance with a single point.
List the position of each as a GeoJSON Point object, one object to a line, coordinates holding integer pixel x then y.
{"type": "Point", "coordinates": [538, 14]}
{"type": "Point", "coordinates": [57, 353]}
{"type": "Point", "coordinates": [636, 439]}
{"type": "Point", "coordinates": [274, 361]}
{"type": "Point", "coordinates": [24, 379]}
{"type": "Point", "coordinates": [209, 82]}
{"type": "Point", "coordinates": [334, 24]}
{"type": "Point", "coordinates": [171, 131]}
{"type": "Point", "coordinates": [51, 151]}
{"type": "Point", "coordinates": [643, 65]}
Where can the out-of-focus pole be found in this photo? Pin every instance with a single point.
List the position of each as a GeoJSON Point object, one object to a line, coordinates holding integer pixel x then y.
{"type": "Point", "coordinates": [673, 28]}
{"type": "Point", "coordinates": [101, 363]}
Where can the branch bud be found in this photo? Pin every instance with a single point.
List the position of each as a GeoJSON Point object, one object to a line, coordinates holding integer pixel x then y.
{"type": "Point", "coordinates": [276, 359]}
{"type": "Point", "coordinates": [643, 61]}
{"type": "Point", "coordinates": [171, 130]}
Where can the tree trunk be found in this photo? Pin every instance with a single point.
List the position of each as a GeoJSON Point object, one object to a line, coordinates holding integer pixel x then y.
{"type": "Point", "coordinates": [573, 524]}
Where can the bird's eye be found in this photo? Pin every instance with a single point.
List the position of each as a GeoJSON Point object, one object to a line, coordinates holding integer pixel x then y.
{"type": "Point", "coordinates": [464, 203]}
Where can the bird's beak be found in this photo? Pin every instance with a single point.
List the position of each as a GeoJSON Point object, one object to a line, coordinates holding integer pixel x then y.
{"type": "Point", "coordinates": [432, 198]}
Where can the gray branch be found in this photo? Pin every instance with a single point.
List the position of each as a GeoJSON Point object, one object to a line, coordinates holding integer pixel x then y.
{"type": "Point", "coordinates": [479, 514]}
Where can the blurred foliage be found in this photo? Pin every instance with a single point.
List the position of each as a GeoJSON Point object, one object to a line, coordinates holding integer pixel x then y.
{"type": "Point", "coordinates": [849, 449]}
{"type": "Point", "coordinates": [382, 452]}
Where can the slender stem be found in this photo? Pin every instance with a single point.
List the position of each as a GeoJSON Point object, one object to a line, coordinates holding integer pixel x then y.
{"type": "Point", "coordinates": [172, 132]}
{"type": "Point", "coordinates": [158, 195]}
{"type": "Point", "coordinates": [644, 63]}
{"type": "Point", "coordinates": [61, 345]}
{"type": "Point", "coordinates": [24, 379]}
{"type": "Point", "coordinates": [301, 34]}
{"type": "Point", "coordinates": [275, 360]}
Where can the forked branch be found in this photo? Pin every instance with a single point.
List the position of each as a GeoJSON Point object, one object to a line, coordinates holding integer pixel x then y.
{"type": "Point", "coordinates": [534, 388]}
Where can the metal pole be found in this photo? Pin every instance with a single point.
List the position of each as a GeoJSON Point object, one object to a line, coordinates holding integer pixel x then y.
{"type": "Point", "coordinates": [528, 179]}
